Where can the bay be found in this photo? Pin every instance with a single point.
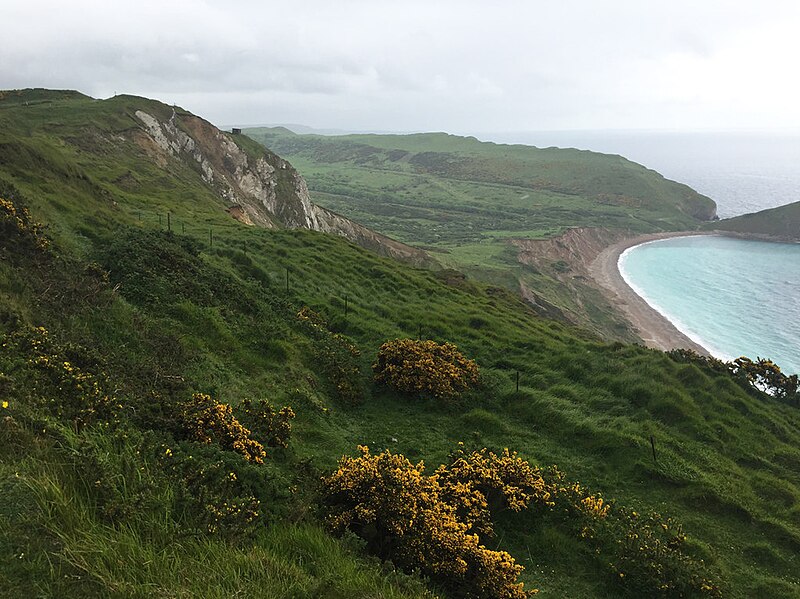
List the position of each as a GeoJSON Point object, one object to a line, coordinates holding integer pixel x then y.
{"type": "Point", "coordinates": [732, 296]}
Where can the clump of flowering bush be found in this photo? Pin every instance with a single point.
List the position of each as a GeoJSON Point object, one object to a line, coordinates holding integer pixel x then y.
{"type": "Point", "coordinates": [411, 519]}
{"type": "Point", "coordinates": [572, 500]}
{"type": "Point", "coordinates": [762, 374]}
{"type": "Point", "coordinates": [61, 379]}
{"type": "Point", "coordinates": [766, 376]}
{"type": "Point", "coordinates": [424, 368]}
{"type": "Point", "coordinates": [438, 523]}
{"type": "Point", "coordinates": [214, 493]}
{"type": "Point", "coordinates": [648, 557]}
{"type": "Point", "coordinates": [481, 482]}
{"type": "Point", "coordinates": [208, 421]}
{"type": "Point", "coordinates": [270, 427]}
{"type": "Point", "coordinates": [645, 554]}
{"type": "Point", "coordinates": [18, 229]}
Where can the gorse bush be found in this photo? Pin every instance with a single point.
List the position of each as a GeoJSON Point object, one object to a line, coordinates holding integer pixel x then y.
{"type": "Point", "coordinates": [269, 427]}
{"type": "Point", "coordinates": [18, 231]}
{"type": "Point", "coordinates": [246, 430]}
{"type": "Point", "coordinates": [766, 376]}
{"type": "Point", "coordinates": [647, 557]}
{"type": "Point", "coordinates": [208, 421]}
{"type": "Point", "coordinates": [404, 516]}
{"type": "Point", "coordinates": [213, 491]}
{"type": "Point", "coordinates": [480, 483]}
{"type": "Point", "coordinates": [438, 523]}
{"type": "Point", "coordinates": [644, 554]}
{"type": "Point", "coordinates": [424, 368]}
{"type": "Point", "coordinates": [572, 500]}
{"type": "Point", "coordinates": [187, 466]}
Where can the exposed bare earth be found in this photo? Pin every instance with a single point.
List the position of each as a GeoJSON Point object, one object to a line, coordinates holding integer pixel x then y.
{"type": "Point", "coordinates": [655, 330]}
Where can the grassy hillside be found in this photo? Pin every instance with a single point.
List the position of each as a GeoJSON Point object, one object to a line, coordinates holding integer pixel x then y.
{"type": "Point", "coordinates": [782, 223]}
{"type": "Point", "coordinates": [463, 200]}
{"type": "Point", "coordinates": [449, 191]}
{"type": "Point", "coordinates": [109, 501]}
{"type": "Point", "coordinates": [86, 176]}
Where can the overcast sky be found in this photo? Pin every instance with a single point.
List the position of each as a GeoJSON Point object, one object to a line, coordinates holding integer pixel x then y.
{"type": "Point", "coordinates": [457, 66]}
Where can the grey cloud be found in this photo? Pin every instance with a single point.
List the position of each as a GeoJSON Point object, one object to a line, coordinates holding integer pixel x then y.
{"type": "Point", "coordinates": [405, 65]}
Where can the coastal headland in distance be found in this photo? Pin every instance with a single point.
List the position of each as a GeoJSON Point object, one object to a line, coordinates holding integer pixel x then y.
{"type": "Point", "coordinates": [655, 330]}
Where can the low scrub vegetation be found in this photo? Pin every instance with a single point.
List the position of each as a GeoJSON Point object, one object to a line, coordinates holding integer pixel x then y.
{"type": "Point", "coordinates": [422, 522]}
{"type": "Point", "coordinates": [440, 524]}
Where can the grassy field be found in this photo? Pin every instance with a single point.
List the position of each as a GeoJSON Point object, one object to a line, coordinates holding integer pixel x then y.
{"type": "Point", "coordinates": [462, 199]}
{"type": "Point", "coordinates": [96, 511]}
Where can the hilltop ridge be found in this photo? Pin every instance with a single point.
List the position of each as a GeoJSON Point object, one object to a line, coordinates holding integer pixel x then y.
{"type": "Point", "coordinates": [165, 147]}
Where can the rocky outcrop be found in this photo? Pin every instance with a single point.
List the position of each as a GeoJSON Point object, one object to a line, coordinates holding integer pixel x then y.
{"type": "Point", "coordinates": [256, 186]}
{"type": "Point", "coordinates": [571, 252]}
{"type": "Point", "coordinates": [577, 297]}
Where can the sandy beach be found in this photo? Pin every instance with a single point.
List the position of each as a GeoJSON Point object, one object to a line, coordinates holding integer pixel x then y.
{"type": "Point", "coordinates": [655, 330]}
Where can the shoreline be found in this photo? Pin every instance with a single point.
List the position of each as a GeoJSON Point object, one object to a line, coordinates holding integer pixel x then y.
{"type": "Point", "coordinates": [655, 330]}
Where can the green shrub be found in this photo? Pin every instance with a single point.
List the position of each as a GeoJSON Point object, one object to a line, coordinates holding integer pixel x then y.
{"type": "Point", "coordinates": [648, 558]}
{"type": "Point", "coordinates": [18, 231]}
{"type": "Point", "coordinates": [269, 427]}
{"type": "Point", "coordinates": [761, 374]}
{"type": "Point", "coordinates": [64, 381]}
{"type": "Point", "coordinates": [335, 355]}
{"type": "Point", "coordinates": [644, 554]}
{"type": "Point", "coordinates": [214, 494]}
{"type": "Point", "coordinates": [481, 483]}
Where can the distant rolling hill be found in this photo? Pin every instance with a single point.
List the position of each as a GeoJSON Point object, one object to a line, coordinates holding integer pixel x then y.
{"type": "Point", "coordinates": [780, 224]}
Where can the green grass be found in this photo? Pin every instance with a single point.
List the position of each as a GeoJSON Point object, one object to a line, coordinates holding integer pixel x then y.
{"type": "Point", "coordinates": [460, 188]}
{"type": "Point", "coordinates": [179, 315]}
{"type": "Point", "coordinates": [57, 548]}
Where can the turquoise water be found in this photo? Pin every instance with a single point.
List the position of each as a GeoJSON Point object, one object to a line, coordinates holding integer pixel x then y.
{"type": "Point", "coordinates": [734, 297]}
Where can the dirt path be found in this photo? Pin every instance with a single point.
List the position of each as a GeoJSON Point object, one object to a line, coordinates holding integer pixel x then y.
{"type": "Point", "coordinates": [655, 330]}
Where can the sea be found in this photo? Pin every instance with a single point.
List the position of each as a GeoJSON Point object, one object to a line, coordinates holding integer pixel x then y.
{"type": "Point", "coordinates": [734, 297]}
